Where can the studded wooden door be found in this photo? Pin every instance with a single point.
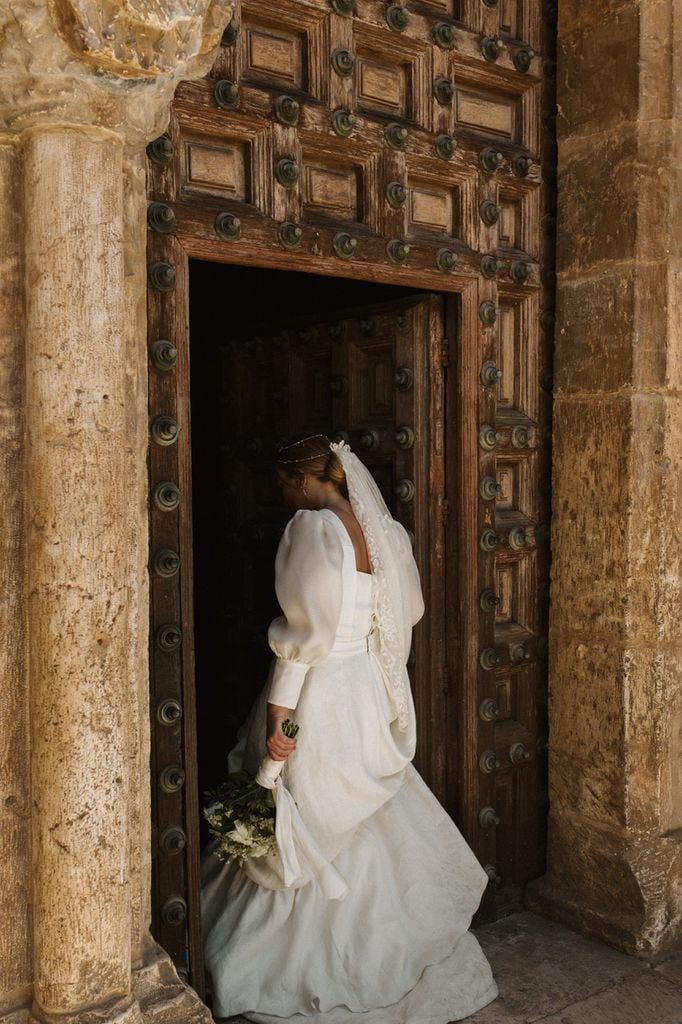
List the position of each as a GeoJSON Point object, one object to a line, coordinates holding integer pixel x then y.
{"type": "Point", "coordinates": [409, 144]}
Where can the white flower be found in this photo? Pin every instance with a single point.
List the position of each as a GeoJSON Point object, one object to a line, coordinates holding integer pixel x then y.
{"type": "Point", "coordinates": [259, 851]}
{"type": "Point", "coordinates": [241, 833]}
{"type": "Point", "coordinates": [339, 446]}
{"type": "Point", "coordinates": [209, 811]}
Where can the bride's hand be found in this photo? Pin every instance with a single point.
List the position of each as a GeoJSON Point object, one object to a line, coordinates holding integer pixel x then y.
{"type": "Point", "coordinates": [279, 745]}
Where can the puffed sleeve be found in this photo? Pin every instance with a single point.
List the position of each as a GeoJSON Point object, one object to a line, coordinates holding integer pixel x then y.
{"type": "Point", "coordinates": [308, 583]}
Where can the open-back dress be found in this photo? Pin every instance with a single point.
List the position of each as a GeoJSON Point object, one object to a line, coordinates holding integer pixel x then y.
{"type": "Point", "coordinates": [392, 945]}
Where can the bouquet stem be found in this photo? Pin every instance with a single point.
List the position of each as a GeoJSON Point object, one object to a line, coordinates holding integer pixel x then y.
{"type": "Point", "coordinates": [270, 769]}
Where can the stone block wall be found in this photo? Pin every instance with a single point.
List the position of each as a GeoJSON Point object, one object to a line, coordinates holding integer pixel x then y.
{"type": "Point", "coordinates": [615, 849]}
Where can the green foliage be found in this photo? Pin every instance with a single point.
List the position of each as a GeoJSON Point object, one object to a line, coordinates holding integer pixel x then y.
{"type": "Point", "coordinates": [241, 815]}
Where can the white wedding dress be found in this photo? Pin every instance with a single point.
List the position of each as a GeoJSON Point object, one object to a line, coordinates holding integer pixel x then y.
{"type": "Point", "coordinates": [395, 947]}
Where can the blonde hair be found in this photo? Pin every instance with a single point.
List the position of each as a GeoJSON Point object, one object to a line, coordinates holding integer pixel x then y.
{"type": "Point", "coordinates": [310, 453]}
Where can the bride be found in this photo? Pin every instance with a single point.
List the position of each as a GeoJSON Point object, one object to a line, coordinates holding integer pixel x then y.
{"type": "Point", "coordinates": [363, 912]}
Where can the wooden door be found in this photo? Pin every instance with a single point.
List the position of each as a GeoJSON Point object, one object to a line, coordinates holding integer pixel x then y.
{"type": "Point", "coordinates": [407, 145]}
{"type": "Point", "coordinates": [389, 404]}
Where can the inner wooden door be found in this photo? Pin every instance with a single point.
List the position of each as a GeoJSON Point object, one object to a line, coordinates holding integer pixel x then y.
{"type": "Point", "coordinates": [373, 376]}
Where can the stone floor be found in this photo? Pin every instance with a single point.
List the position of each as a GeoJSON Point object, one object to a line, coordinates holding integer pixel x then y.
{"type": "Point", "coordinates": [546, 972]}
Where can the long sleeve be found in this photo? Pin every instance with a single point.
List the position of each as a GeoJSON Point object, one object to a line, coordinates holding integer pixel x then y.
{"type": "Point", "coordinates": [308, 583]}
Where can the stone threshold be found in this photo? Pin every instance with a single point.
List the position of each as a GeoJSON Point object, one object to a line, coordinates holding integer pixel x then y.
{"type": "Point", "coordinates": [158, 997]}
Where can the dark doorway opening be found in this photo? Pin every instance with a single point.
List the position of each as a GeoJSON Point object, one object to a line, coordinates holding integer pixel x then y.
{"type": "Point", "coordinates": [271, 355]}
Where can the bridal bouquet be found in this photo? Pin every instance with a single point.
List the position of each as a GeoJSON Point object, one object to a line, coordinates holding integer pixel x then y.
{"type": "Point", "coordinates": [242, 814]}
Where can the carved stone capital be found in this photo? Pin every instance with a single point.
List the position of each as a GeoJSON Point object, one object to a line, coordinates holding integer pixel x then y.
{"type": "Point", "coordinates": [134, 38]}
{"type": "Point", "coordinates": [111, 63]}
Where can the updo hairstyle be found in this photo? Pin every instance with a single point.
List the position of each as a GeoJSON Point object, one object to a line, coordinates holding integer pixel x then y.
{"type": "Point", "coordinates": [310, 453]}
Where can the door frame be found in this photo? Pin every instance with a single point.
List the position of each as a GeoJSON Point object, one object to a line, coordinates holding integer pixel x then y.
{"type": "Point", "coordinates": [468, 406]}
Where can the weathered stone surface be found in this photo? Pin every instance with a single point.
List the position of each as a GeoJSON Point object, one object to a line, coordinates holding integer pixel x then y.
{"type": "Point", "coordinates": [541, 967]}
{"type": "Point", "coordinates": [162, 997]}
{"type": "Point", "coordinates": [613, 329]}
{"type": "Point", "coordinates": [654, 191]}
{"type": "Point", "coordinates": [15, 946]}
{"type": "Point", "coordinates": [75, 410]}
{"type": "Point", "coordinates": [618, 501]}
{"type": "Point", "coordinates": [671, 968]}
{"type": "Point", "coordinates": [618, 321]}
{"type": "Point", "coordinates": [652, 684]}
{"type": "Point", "coordinates": [595, 315]}
{"type": "Point", "coordinates": [590, 521]}
{"type": "Point", "coordinates": [140, 38]}
{"type": "Point", "coordinates": [587, 732]}
{"type": "Point", "coordinates": [590, 860]}
{"type": "Point", "coordinates": [605, 762]}
{"type": "Point", "coordinates": [17, 1017]}
{"type": "Point", "coordinates": [137, 440]}
{"type": "Point", "coordinates": [78, 212]}
{"type": "Point", "coordinates": [637, 1001]}
{"type": "Point", "coordinates": [614, 693]}
{"type": "Point", "coordinates": [591, 59]}
{"type": "Point", "coordinates": [655, 545]}
{"type": "Point", "coordinates": [659, 81]}
{"type": "Point", "coordinates": [603, 883]}
{"type": "Point", "coordinates": [574, 15]}
{"type": "Point", "coordinates": [670, 733]}
{"type": "Point", "coordinates": [598, 220]}
{"type": "Point", "coordinates": [674, 322]}
{"type": "Point", "coordinates": [108, 1011]}
{"type": "Point", "coordinates": [616, 191]}
{"type": "Point", "coordinates": [610, 726]}
{"type": "Point", "coordinates": [654, 308]}
{"type": "Point", "coordinates": [74, 77]}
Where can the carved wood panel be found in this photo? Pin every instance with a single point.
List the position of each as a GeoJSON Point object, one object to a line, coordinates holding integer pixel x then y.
{"type": "Point", "coordinates": [407, 144]}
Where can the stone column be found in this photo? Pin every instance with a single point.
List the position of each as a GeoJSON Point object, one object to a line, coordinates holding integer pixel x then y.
{"type": "Point", "coordinates": [77, 481]}
{"type": "Point", "coordinates": [83, 88]}
{"type": "Point", "coordinates": [615, 698]}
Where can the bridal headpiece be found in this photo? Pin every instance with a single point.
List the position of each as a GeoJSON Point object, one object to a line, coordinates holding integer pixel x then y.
{"type": "Point", "coordinates": [284, 447]}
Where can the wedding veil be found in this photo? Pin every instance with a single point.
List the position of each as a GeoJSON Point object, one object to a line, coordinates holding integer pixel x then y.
{"type": "Point", "coordinates": [390, 555]}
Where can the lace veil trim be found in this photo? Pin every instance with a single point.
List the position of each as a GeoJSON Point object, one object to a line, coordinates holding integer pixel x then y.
{"type": "Point", "coordinates": [391, 588]}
